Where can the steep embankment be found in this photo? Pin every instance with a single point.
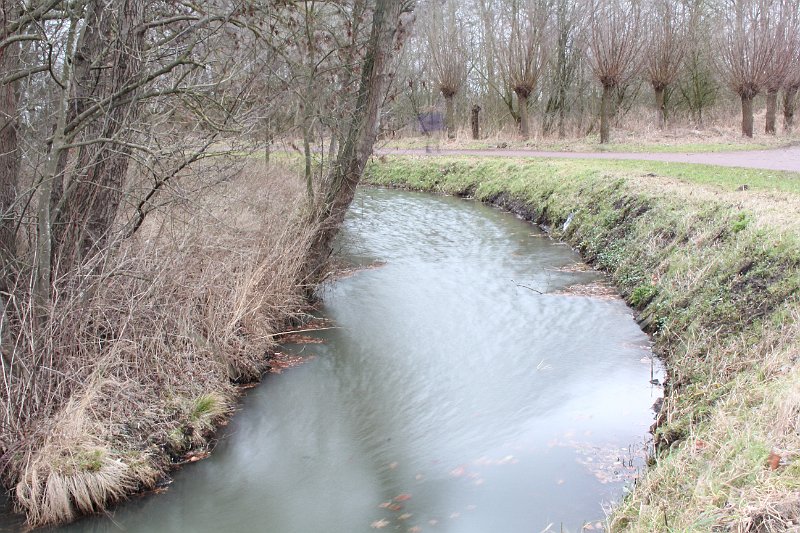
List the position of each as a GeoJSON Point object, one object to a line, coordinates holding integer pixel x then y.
{"type": "Point", "coordinates": [710, 259]}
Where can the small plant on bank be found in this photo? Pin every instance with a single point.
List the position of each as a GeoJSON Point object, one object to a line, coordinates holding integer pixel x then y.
{"type": "Point", "coordinates": [643, 294]}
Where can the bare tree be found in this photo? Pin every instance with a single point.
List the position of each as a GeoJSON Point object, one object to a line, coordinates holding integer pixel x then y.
{"type": "Point", "coordinates": [790, 95]}
{"type": "Point", "coordinates": [9, 152]}
{"type": "Point", "coordinates": [566, 55]}
{"type": "Point", "coordinates": [667, 28]}
{"type": "Point", "coordinates": [391, 21]}
{"type": "Point", "coordinates": [697, 85]}
{"type": "Point", "coordinates": [525, 53]}
{"type": "Point", "coordinates": [449, 55]}
{"type": "Point", "coordinates": [747, 49]}
{"type": "Point", "coordinates": [615, 45]}
{"type": "Point", "coordinates": [782, 61]}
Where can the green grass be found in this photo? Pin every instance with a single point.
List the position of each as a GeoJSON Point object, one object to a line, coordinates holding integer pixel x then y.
{"type": "Point", "coordinates": [726, 178]}
{"type": "Point", "coordinates": [714, 283]}
{"type": "Point", "coordinates": [592, 144]}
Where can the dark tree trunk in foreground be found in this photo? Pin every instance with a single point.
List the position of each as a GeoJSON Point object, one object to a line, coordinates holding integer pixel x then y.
{"type": "Point", "coordinates": [9, 157]}
{"type": "Point", "coordinates": [661, 109]}
{"type": "Point", "coordinates": [475, 121]}
{"type": "Point", "coordinates": [88, 209]}
{"type": "Point", "coordinates": [524, 124]}
{"type": "Point", "coordinates": [772, 110]}
{"type": "Point", "coordinates": [450, 116]}
{"type": "Point", "coordinates": [606, 103]}
{"type": "Point", "coordinates": [361, 131]}
{"type": "Point", "coordinates": [789, 97]}
{"type": "Point", "coordinates": [747, 116]}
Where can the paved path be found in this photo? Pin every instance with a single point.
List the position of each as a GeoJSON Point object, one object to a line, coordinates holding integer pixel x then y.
{"type": "Point", "coordinates": [777, 159]}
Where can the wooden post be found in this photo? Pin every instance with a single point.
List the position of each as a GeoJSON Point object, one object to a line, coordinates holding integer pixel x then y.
{"type": "Point", "coordinates": [476, 130]}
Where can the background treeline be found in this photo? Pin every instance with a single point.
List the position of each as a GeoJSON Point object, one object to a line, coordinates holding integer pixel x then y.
{"type": "Point", "coordinates": [564, 68]}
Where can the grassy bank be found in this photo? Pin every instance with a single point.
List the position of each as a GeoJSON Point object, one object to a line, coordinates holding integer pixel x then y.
{"type": "Point", "coordinates": [713, 272]}
{"type": "Point", "coordinates": [145, 349]}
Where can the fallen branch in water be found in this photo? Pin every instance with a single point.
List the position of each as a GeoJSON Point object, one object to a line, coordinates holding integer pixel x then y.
{"type": "Point", "coordinates": [526, 287]}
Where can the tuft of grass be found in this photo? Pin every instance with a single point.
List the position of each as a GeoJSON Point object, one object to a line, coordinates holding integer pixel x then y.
{"type": "Point", "coordinates": [715, 275]}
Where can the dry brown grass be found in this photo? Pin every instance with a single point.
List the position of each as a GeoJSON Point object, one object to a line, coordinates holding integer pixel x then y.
{"type": "Point", "coordinates": [142, 346]}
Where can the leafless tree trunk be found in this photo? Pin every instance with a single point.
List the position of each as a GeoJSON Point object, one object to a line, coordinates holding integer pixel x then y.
{"type": "Point", "coordinates": [747, 114]}
{"type": "Point", "coordinates": [750, 40]}
{"type": "Point", "coordinates": [771, 112]}
{"type": "Point", "coordinates": [564, 63]}
{"type": "Point", "coordinates": [525, 54]}
{"type": "Point", "coordinates": [475, 121]}
{"type": "Point", "coordinates": [615, 50]}
{"type": "Point", "coordinates": [667, 29]}
{"type": "Point", "coordinates": [789, 102]}
{"type": "Point", "coordinates": [448, 53]}
{"type": "Point", "coordinates": [88, 207]}
{"type": "Point", "coordinates": [9, 152]}
{"type": "Point", "coordinates": [389, 23]}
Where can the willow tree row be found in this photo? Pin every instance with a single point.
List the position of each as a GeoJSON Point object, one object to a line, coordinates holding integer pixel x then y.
{"type": "Point", "coordinates": [516, 51]}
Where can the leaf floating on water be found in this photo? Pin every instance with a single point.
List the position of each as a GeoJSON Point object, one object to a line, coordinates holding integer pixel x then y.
{"type": "Point", "coordinates": [379, 524]}
{"type": "Point", "coordinates": [402, 497]}
{"type": "Point", "coordinates": [458, 471]}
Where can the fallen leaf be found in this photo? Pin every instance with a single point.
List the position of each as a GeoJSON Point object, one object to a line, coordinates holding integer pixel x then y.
{"type": "Point", "coordinates": [773, 460]}
{"type": "Point", "coordinates": [458, 472]}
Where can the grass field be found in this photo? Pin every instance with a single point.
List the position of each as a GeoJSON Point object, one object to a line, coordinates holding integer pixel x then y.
{"type": "Point", "coordinates": [678, 141]}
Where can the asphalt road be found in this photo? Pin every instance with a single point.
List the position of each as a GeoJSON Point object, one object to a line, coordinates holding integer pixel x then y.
{"type": "Point", "coordinates": [776, 159]}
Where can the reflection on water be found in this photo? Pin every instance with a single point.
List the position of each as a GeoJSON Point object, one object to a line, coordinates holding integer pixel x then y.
{"type": "Point", "coordinates": [451, 397]}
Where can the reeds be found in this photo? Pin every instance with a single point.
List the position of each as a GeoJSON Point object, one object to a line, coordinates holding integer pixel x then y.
{"type": "Point", "coordinates": [136, 357]}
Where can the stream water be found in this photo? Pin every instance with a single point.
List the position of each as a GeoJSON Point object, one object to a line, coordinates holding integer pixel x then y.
{"type": "Point", "coordinates": [467, 386]}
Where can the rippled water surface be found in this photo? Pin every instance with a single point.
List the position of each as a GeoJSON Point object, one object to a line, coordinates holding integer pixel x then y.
{"type": "Point", "coordinates": [451, 397]}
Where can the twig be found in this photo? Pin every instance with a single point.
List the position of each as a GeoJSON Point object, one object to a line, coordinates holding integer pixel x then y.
{"type": "Point", "coordinates": [526, 287]}
{"type": "Point", "coordinates": [301, 331]}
